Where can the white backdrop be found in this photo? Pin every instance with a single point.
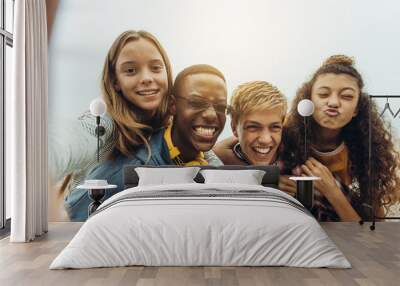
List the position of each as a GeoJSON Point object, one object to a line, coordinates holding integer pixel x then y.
{"type": "Point", "coordinates": [282, 42]}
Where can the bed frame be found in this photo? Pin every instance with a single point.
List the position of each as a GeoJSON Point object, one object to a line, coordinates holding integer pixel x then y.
{"type": "Point", "coordinates": [270, 179]}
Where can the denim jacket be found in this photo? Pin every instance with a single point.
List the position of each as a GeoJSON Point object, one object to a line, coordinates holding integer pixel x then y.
{"type": "Point", "coordinates": [77, 202]}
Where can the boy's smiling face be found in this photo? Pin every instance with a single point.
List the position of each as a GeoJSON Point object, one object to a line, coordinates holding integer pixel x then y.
{"type": "Point", "coordinates": [199, 112]}
{"type": "Point", "coordinates": [260, 133]}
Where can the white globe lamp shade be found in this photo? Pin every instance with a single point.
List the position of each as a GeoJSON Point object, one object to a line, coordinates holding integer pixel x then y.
{"type": "Point", "coordinates": [97, 107]}
{"type": "Point", "coordinates": [305, 107]}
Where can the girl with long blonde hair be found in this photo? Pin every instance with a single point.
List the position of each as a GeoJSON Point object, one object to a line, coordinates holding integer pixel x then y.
{"type": "Point", "coordinates": [136, 86]}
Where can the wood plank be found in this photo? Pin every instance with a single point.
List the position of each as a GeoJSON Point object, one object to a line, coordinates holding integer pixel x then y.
{"type": "Point", "coordinates": [374, 255]}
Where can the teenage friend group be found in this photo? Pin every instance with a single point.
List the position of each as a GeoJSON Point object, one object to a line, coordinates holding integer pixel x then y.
{"type": "Point", "coordinates": [160, 121]}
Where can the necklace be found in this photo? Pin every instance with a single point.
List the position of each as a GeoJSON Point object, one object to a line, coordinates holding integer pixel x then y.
{"type": "Point", "coordinates": [237, 150]}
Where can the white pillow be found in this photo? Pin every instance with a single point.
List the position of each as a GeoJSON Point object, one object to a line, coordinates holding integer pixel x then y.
{"type": "Point", "coordinates": [163, 176]}
{"type": "Point", "coordinates": [249, 177]}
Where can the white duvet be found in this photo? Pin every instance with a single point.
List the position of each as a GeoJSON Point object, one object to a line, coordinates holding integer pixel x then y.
{"type": "Point", "coordinates": [236, 228]}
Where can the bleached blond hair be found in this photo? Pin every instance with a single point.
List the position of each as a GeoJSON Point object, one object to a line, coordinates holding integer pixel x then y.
{"type": "Point", "coordinates": [256, 95]}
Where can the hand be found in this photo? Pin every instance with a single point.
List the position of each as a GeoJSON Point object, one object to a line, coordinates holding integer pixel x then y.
{"type": "Point", "coordinates": [327, 185]}
{"type": "Point", "coordinates": [226, 144]}
{"type": "Point", "coordinates": [223, 150]}
{"type": "Point", "coordinates": [288, 186]}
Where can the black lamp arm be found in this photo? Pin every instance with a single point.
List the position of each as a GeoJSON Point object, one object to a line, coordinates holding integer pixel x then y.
{"type": "Point", "coordinates": [100, 131]}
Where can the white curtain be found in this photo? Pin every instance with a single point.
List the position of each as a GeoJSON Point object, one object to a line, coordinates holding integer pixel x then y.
{"type": "Point", "coordinates": [26, 120]}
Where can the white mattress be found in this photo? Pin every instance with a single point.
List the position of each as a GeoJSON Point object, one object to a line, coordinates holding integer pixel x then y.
{"type": "Point", "coordinates": [224, 225]}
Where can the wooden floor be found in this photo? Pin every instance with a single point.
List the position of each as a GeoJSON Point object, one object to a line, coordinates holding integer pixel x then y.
{"type": "Point", "coordinates": [374, 255]}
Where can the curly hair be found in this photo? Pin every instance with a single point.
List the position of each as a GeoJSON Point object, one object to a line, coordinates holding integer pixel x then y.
{"type": "Point", "coordinates": [131, 129]}
{"type": "Point", "coordinates": [382, 177]}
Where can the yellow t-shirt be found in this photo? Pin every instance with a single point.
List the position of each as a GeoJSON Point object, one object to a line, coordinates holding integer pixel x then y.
{"type": "Point", "coordinates": [337, 161]}
{"type": "Point", "coordinates": [174, 152]}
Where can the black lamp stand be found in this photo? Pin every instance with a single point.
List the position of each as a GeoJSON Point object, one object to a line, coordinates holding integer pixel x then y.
{"type": "Point", "coordinates": [99, 131]}
{"type": "Point", "coordinates": [96, 195]}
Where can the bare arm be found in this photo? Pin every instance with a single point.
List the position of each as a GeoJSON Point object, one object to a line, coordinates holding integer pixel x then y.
{"type": "Point", "coordinates": [223, 150]}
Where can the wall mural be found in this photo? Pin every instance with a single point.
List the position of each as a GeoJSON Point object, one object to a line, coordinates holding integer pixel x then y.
{"type": "Point", "coordinates": [130, 85]}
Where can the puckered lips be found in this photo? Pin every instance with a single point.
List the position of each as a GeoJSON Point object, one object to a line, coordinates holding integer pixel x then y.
{"type": "Point", "coordinates": [332, 112]}
{"type": "Point", "coordinates": [148, 92]}
{"type": "Point", "coordinates": [206, 132]}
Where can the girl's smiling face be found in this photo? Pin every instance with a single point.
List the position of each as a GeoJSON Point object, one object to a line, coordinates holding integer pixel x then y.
{"type": "Point", "coordinates": [335, 97]}
{"type": "Point", "coordinates": [141, 75]}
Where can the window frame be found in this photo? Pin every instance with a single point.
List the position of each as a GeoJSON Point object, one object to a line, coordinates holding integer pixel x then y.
{"type": "Point", "coordinates": [6, 39]}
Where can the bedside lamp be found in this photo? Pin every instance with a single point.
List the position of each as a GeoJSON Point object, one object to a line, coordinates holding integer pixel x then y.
{"type": "Point", "coordinates": [98, 108]}
{"type": "Point", "coordinates": [305, 191]}
{"type": "Point", "coordinates": [305, 108]}
{"type": "Point", "coordinates": [97, 188]}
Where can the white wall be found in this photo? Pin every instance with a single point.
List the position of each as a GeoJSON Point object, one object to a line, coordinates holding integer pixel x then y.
{"type": "Point", "coordinates": [282, 42]}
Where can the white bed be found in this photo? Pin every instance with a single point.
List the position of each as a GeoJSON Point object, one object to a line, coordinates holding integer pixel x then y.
{"type": "Point", "coordinates": [201, 224]}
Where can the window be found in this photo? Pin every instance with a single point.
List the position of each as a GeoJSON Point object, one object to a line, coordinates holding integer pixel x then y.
{"type": "Point", "coordinates": [6, 44]}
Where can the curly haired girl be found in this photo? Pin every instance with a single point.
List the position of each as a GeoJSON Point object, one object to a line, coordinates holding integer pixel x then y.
{"type": "Point", "coordinates": [339, 145]}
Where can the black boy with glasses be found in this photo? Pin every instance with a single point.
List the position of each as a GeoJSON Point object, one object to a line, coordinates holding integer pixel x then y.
{"type": "Point", "coordinates": [199, 107]}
